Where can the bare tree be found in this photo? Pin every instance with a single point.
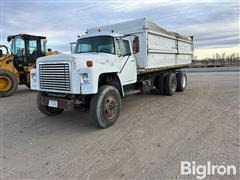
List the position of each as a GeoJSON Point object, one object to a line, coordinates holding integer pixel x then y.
{"type": "Point", "coordinates": [218, 56]}
{"type": "Point", "coordinates": [232, 56]}
{"type": "Point", "coordinates": [223, 56]}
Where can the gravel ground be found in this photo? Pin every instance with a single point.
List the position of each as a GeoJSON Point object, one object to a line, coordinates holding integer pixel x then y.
{"type": "Point", "coordinates": [152, 136]}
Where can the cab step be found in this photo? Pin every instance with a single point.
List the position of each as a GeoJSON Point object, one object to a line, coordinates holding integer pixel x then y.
{"type": "Point", "coordinates": [130, 92]}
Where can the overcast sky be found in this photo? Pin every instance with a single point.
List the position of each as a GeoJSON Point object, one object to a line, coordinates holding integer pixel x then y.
{"type": "Point", "coordinates": [214, 24]}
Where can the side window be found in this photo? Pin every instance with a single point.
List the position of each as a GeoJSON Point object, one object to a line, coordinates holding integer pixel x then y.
{"type": "Point", "coordinates": [32, 47]}
{"type": "Point", "coordinates": [18, 47]}
{"type": "Point", "coordinates": [123, 47]}
{"type": "Point", "coordinates": [126, 47]}
{"type": "Point", "coordinates": [43, 46]}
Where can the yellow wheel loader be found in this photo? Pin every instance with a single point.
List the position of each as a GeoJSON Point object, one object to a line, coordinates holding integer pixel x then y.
{"type": "Point", "coordinates": [17, 62]}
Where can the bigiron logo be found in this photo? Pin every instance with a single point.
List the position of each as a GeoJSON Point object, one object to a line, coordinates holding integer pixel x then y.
{"type": "Point", "coordinates": [201, 171]}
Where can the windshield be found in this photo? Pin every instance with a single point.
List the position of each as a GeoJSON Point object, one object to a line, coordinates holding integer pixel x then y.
{"type": "Point", "coordinates": [96, 44]}
{"type": "Point", "coordinates": [18, 47]}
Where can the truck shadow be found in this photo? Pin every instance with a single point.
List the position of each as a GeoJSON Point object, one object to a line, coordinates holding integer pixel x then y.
{"type": "Point", "coordinates": [81, 121]}
{"type": "Point", "coordinates": [23, 90]}
{"type": "Point", "coordinates": [67, 122]}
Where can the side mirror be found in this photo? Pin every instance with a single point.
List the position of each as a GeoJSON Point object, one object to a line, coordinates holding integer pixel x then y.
{"type": "Point", "coordinates": [73, 47]}
{"type": "Point", "coordinates": [136, 45]}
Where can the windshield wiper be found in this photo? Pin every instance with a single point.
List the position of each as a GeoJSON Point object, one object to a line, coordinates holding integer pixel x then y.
{"type": "Point", "coordinates": [96, 52]}
{"type": "Point", "coordinates": [88, 52]}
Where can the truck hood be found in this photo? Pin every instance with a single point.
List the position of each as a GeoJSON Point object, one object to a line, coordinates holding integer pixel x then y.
{"type": "Point", "coordinates": [97, 58]}
{"type": "Point", "coordinates": [58, 58]}
{"type": "Point", "coordinates": [79, 60]}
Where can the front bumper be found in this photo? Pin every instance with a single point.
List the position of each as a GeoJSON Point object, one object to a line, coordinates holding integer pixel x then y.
{"type": "Point", "coordinates": [61, 103]}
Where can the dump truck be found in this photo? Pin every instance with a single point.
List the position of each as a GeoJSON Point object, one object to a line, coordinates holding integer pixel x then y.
{"type": "Point", "coordinates": [109, 63]}
{"type": "Point", "coordinates": [17, 61]}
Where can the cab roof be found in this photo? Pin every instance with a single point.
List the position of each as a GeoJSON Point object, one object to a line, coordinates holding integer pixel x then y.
{"type": "Point", "coordinates": [25, 36]}
{"type": "Point", "coordinates": [100, 34]}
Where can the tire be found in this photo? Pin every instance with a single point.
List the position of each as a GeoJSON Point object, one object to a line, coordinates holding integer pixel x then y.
{"type": "Point", "coordinates": [28, 86]}
{"type": "Point", "coordinates": [8, 83]}
{"type": "Point", "coordinates": [170, 84]}
{"type": "Point", "coordinates": [105, 106]}
{"type": "Point", "coordinates": [181, 81]}
{"type": "Point", "coordinates": [49, 111]}
{"type": "Point", "coordinates": [160, 84]}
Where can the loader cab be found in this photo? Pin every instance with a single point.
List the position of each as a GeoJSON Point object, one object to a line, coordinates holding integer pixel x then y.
{"type": "Point", "coordinates": [26, 49]}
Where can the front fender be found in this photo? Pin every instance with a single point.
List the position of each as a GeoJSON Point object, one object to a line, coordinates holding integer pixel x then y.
{"type": "Point", "coordinates": [91, 87]}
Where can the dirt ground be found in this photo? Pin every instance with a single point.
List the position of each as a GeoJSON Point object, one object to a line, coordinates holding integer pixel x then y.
{"type": "Point", "coordinates": [152, 136]}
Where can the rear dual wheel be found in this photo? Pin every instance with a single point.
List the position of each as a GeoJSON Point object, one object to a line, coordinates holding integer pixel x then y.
{"type": "Point", "coordinates": [8, 83]}
{"type": "Point", "coordinates": [169, 83]}
{"type": "Point", "coordinates": [181, 81]}
{"type": "Point", "coordinates": [159, 83]}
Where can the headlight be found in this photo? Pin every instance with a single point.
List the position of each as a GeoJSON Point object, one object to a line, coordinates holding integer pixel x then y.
{"type": "Point", "coordinates": [33, 76]}
{"type": "Point", "coordinates": [84, 77]}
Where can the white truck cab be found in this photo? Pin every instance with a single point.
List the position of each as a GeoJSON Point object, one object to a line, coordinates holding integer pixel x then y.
{"type": "Point", "coordinates": [109, 63]}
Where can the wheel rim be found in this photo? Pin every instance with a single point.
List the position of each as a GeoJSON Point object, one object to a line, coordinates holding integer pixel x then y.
{"type": "Point", "coordinates": [110, 107]}
{"type": "Point", "coordinates": [5, 83]}
{"type": "Point", "coordinates": [184, 82]}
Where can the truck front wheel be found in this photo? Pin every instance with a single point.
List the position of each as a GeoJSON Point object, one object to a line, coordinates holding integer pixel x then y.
{"type": "Point", "coordinates": [105, 106]}
{"type": "Point", "coordinates": [50, 111]}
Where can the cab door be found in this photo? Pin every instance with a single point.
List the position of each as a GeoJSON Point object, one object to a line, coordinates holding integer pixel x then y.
{"type": "Point", "coordinates": [126, 62]}
{"type": "Point", "coordinates": [32, 51]}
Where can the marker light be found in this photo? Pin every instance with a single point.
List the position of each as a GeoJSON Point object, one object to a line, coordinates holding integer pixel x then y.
{"type": "Point", "coordinates": [89, 63]}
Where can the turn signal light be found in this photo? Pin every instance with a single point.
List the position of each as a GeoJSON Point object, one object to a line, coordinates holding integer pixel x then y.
{"type": "Point", "coordinates": [89, 63]}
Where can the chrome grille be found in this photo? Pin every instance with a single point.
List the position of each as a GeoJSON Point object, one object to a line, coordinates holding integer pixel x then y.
{"type": "Point", "coordinates": [54, 76]}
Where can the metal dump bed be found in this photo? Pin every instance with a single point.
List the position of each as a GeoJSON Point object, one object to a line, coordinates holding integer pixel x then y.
{"type": "Point", "coordinates": [159, 48]}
